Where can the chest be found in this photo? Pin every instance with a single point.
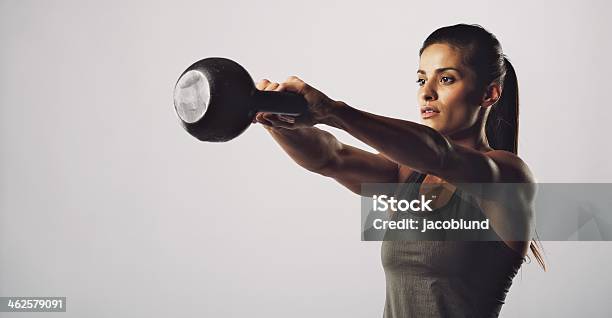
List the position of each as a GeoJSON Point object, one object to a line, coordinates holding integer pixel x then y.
{"type": "Point", "coordinates": [432, 257]}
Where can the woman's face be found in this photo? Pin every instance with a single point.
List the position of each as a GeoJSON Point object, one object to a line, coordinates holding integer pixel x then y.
{"type": "Point", "coordinates": [447, 97]}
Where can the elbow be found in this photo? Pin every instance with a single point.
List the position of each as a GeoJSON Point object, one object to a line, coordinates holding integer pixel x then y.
{"type": "Point", "coordinates": [441, 153]}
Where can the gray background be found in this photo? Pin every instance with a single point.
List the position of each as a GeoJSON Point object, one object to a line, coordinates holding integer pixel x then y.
{"type": "Point", "coordinates": [104, 199]}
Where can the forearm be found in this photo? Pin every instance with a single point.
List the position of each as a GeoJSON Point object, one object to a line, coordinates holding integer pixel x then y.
{"type": "Point", "coordinates": [311, 148]}
{"type": "Point", "coordinates": [404, 142]}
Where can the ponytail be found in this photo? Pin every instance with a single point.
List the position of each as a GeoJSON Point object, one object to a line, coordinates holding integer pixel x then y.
{"type": "Point", "coordinates": [502, 131]}
{"type": "Point", "coordinates": [538, 252]}
{"type": "Point", "coordinates": [502, 123]}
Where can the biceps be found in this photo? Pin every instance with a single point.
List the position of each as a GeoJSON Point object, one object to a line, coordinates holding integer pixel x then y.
{"type": "Point", "coordinates": [465, 165]}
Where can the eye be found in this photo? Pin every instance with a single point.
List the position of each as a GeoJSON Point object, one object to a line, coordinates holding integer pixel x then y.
{"type": "Point", "coordinates": [447, 80]}
{"type": "Point", "coordinates": [420, 81]}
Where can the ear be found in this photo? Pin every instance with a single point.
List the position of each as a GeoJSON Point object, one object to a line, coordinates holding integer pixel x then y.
{"type": "Point", "coordinates": [491, 95]}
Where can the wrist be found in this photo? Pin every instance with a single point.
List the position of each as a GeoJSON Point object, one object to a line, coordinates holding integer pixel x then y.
{"type": "Point", "coordinates": [333, 114]}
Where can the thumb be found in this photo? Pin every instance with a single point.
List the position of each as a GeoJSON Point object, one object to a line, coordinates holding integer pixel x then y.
{"type": "Point", "coordinates": [295, 85]}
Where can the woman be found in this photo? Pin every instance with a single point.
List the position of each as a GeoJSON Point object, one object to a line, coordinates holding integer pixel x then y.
{"type": "Point", "coordinates": [468, 99]}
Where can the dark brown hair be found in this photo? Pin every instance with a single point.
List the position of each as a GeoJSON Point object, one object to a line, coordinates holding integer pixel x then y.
{"type": "Point", "coordinates": [482, 53]}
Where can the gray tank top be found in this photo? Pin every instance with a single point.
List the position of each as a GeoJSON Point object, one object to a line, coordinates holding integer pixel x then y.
{"type": "Point", "coordinates": [447, 278]}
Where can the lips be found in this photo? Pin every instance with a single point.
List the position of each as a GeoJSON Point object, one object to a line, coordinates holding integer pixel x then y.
{"type": "Point", "coordinates": [429, 111]}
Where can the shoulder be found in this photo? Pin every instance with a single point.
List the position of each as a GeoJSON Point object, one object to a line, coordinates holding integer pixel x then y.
{"type": "Point", "coordinates": [511, 168]}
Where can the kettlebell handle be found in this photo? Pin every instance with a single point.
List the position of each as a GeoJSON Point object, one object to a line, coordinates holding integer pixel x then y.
{"type": "Point", "coordinates": [285, 103]}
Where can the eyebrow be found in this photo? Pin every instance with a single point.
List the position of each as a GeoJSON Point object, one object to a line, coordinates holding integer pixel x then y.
{"type": "Point", "coordinates": [440, 70]}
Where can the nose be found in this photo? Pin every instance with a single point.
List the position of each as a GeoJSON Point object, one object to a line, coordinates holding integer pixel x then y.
{"type": "Point", "coordinates": [427, 92]}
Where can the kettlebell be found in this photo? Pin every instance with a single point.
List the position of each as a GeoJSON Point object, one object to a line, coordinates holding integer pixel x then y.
{"type": "Point", "coordinates": [216, 100]}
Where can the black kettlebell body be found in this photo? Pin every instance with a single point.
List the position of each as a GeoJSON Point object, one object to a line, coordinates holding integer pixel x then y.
{"type": "Point", "coordinates": [216, 100]}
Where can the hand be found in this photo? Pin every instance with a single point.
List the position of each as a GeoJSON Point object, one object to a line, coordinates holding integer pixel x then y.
{"type": "Point", "coordinates": [319, 105]}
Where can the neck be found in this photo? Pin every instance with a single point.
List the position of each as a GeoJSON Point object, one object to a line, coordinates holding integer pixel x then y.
{"type": "Point", "coordinates": [478, 142]}
{"type": "Point", "coordinates": [474, 137]}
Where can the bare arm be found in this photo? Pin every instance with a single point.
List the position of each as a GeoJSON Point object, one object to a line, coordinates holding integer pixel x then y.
{"type": "Point", "coordinates": [417, 146]}
{"type": "Point", "coordinates": [403, 143]}
{"type": "Point", "coordinates": [319, 151]}
{"type": "Point", "coordinates": [408, 143]}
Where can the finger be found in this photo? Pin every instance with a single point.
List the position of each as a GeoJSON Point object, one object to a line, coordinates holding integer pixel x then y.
{"type": "Point", "coordinates": [294, 86]}
{"type": "Point", "coordinates": [293, 78]}
{"type": "Point", "coordinates": [259, 117]}
{"type": "Point", "coordinates": [255, 117]}
{"type": "Point", "coordinates": [263, 120]}
{"type": "Point", "coordinates": [262, 84]}
{"type": "Point", "coordinates": [271, 86]}
{"type": "Point", "coordinates": [277, 122]}
{"type": "Point", "coordinates": [287, 118]}
{"type": "Point", "coordinates": [279, 88]}
{"type": "Point", "coordinates": [268, 119]}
